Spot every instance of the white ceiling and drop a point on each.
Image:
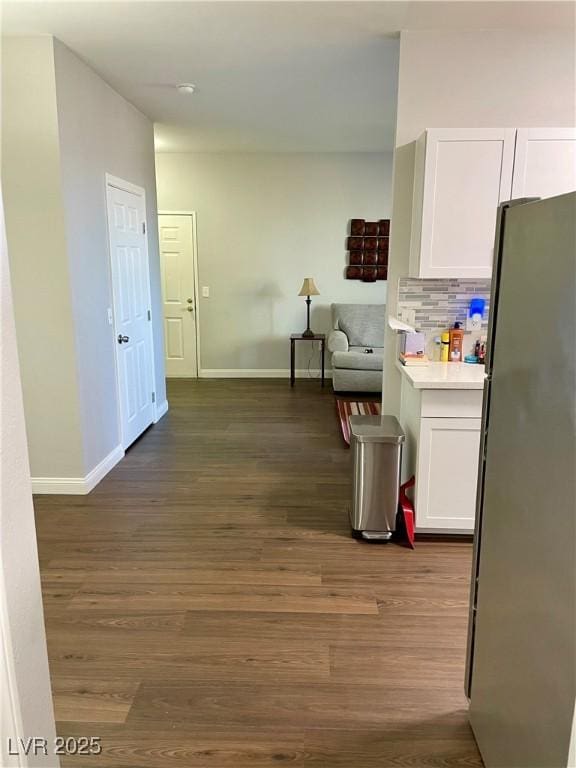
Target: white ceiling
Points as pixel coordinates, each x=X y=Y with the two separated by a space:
x=270 y=76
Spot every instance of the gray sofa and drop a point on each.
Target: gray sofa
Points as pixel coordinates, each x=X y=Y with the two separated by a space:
x=355 y=329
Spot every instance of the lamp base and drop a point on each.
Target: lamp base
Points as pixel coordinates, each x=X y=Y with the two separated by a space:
x=308 y=334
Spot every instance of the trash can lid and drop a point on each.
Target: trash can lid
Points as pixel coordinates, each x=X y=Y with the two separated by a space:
x=376 y=429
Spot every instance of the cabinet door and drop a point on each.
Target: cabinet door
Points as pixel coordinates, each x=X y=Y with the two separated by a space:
x=545 y=162
x=447 y=473
x=461 y=175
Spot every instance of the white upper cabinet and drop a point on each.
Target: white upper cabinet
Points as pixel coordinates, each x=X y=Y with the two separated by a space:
x=460 y=177
x=545 y=162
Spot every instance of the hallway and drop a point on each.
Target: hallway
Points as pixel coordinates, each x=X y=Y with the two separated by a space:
x=207 y=608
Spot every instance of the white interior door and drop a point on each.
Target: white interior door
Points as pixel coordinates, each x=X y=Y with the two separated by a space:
x=178 y=294
x=132 y=314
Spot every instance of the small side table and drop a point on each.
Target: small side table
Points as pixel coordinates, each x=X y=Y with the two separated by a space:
x=321 y=337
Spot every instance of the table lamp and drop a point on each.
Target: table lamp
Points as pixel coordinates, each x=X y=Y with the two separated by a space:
x=308 y=289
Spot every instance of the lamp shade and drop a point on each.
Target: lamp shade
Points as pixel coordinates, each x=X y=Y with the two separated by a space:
x=308 y=288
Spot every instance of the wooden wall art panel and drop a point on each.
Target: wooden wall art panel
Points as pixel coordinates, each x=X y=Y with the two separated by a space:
x=367 y=247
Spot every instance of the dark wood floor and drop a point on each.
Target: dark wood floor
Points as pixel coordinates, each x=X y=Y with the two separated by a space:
x=206 y=607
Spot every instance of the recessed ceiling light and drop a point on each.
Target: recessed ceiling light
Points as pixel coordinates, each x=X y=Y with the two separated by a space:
x=186 y=88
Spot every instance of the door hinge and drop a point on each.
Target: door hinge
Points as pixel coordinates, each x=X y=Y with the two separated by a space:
x=153 y=397
x=149 y=314
x=143 y=227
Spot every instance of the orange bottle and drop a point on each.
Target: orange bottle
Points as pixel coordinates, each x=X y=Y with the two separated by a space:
x=456 y=343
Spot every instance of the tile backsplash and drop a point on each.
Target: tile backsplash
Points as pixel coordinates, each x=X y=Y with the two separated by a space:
x=437 y=304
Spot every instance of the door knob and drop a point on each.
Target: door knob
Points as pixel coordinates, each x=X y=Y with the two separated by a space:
x=123 y=339
x=190 y=308
x=189 y=301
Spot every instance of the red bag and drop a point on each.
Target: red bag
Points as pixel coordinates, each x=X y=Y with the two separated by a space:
x=406 y=508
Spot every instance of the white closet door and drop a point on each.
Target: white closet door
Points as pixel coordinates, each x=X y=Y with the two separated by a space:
x=132 y=313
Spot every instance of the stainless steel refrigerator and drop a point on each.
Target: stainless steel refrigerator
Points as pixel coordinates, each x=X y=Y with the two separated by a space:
x=521 y=665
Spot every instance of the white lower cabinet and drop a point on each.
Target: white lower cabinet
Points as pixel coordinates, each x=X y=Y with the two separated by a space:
x=447 y=473
x=441 y=450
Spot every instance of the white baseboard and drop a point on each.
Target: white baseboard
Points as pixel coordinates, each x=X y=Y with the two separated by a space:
x=75 y=486
x=260 y=373
x=78 y=486
x=161 y=410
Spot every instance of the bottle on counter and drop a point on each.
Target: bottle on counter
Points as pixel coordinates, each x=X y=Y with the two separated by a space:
x=445 y=347
x=456 y=343
x=482 y=352
x=437 y=349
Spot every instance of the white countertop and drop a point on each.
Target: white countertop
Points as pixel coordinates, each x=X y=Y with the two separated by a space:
x=444 y=375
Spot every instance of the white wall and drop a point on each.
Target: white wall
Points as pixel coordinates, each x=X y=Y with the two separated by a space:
x=266 y=221
x=35 y=227
x=63 y=129
x=468 y=79
x=25 y=695
x=100 y=132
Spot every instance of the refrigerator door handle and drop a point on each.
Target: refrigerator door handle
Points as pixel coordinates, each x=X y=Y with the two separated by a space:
x=477 y=538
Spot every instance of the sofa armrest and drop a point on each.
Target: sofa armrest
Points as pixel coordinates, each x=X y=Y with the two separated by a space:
x=337 y=342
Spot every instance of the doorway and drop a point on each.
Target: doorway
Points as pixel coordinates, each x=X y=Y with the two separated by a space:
x=179 y=268
x=132 y=314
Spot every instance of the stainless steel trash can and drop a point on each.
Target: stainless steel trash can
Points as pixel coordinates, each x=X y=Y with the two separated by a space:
x=376 y=443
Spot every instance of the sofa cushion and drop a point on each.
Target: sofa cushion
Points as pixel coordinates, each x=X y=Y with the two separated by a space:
x=359 y=360
x=362 y=323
